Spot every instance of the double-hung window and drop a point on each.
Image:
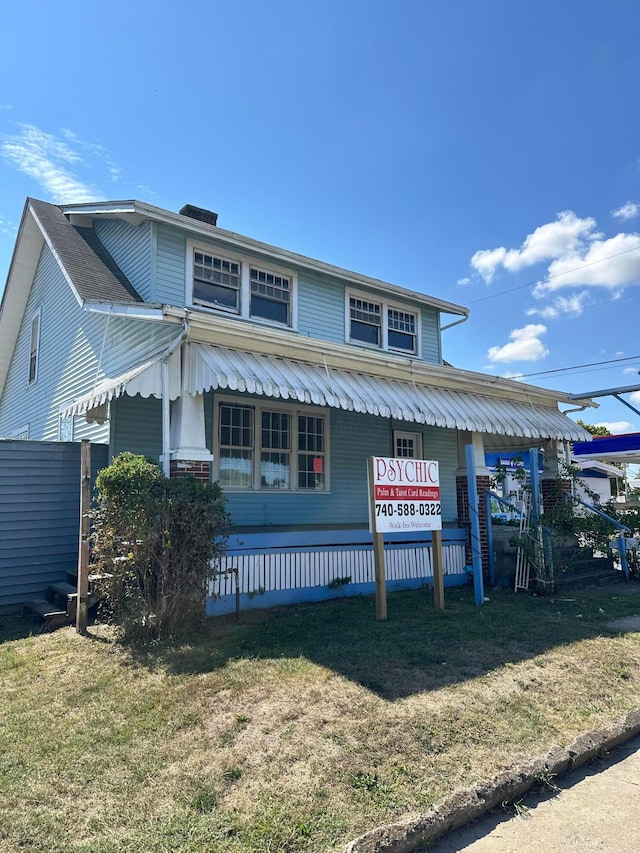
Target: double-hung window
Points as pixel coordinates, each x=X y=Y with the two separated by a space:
x=380 y=324
x=263 y=447
x=270 y=296
x=231 y=283
x=216 y=282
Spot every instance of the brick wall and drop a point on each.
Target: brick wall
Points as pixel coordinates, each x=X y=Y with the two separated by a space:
x=185 y=468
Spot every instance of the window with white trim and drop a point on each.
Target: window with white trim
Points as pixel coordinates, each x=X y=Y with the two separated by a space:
x=407 y=445
x=270 y=296
x=34 y=348
x=401 y=330
x=216 y=282
x=21 y=434
x=237 y=285
x=271 y=448
x=382 y=325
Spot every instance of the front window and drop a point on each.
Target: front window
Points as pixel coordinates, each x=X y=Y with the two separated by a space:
x=216 y=281
x=275 y=457
x=289 y=446
x=236 y=446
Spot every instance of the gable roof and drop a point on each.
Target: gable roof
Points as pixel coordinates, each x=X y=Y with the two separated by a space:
x=89 y=270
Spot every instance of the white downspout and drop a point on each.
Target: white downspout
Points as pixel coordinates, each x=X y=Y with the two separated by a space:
x=166 y=402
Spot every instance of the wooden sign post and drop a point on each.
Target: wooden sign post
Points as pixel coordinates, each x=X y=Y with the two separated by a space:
x=82 y=603
x=404 y=497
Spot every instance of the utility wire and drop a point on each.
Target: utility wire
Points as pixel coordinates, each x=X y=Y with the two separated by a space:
x=555 y=275
x=578 y=366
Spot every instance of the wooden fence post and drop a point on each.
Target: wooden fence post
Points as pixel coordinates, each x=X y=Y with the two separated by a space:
x=82 y=607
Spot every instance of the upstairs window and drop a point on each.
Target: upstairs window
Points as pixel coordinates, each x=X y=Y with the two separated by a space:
x=236 y=285
x=366 y=321
x=379 y=324
x=270 y=296
x=34 y=348
x=216 y=282
x=401 y=330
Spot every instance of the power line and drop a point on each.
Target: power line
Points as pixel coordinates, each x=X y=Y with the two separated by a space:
x=555 y=275
x=578 y=366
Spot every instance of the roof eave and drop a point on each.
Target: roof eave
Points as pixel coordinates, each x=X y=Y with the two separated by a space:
x=157 y=214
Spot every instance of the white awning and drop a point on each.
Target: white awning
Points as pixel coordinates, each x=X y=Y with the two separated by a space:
x=144 y=379
x=220 y=368
x=595 y=465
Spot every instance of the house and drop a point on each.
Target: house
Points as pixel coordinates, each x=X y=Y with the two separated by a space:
x=274 y=373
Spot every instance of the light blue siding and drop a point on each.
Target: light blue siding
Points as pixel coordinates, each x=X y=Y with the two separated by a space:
x=77 y=350
x=321 y=307
x=321 y=298
x=170 y=265
x=131 y=248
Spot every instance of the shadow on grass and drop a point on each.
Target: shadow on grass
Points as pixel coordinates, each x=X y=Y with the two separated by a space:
x=416 y=649
x=16 y=625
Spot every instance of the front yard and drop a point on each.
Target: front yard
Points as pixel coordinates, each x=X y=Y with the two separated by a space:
x=298 y=728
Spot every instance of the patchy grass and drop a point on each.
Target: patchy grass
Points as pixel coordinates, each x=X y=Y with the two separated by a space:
x=298 y=728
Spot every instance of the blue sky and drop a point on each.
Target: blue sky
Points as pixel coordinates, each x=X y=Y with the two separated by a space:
x=485 y=153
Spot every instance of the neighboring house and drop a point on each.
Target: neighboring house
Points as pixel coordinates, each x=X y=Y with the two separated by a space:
x=274 y=373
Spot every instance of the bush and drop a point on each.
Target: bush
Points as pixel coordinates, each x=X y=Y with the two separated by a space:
x=154 y=543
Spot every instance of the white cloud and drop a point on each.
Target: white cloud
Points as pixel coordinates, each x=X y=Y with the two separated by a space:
x=463 y=281
x=633 y=370
x=510 y=375
x=634 y=397
x=629 y=210
x=485 y=262
x=616 y=427
x=55 y=163
x=551 y=240
x=524 y=345
x=7 y=226
x=611 y=263
x=573 y=304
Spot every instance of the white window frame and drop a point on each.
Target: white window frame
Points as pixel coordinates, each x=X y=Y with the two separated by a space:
x=416 y=436
x=246 y=264
x=37 y=315
x=385 y=306
x=21 y=434
x=62 y=418
x=293 y=411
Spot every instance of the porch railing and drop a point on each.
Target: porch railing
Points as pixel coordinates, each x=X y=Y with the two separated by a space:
x=621 y=528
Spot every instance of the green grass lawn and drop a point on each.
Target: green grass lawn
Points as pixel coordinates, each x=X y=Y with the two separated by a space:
x=296 y=729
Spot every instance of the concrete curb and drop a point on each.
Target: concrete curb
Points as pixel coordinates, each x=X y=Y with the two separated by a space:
x=461 y=808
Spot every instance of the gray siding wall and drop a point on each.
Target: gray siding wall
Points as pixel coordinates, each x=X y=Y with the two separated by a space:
x=77 y=350
x=39 y=514
x=353 y=437
x=131 y=246
x=321 y=298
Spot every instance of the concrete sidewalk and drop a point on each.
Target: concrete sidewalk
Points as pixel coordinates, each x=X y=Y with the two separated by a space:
x=597 y=809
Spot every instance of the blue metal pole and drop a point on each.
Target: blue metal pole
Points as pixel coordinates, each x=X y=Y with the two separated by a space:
x=534 y=454
x=474 y=518
x=622 y=547
x=492 y=556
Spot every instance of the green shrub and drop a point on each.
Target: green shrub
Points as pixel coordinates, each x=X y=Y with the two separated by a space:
x=154 y=543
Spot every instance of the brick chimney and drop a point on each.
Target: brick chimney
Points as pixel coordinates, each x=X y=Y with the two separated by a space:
x=200 y=214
